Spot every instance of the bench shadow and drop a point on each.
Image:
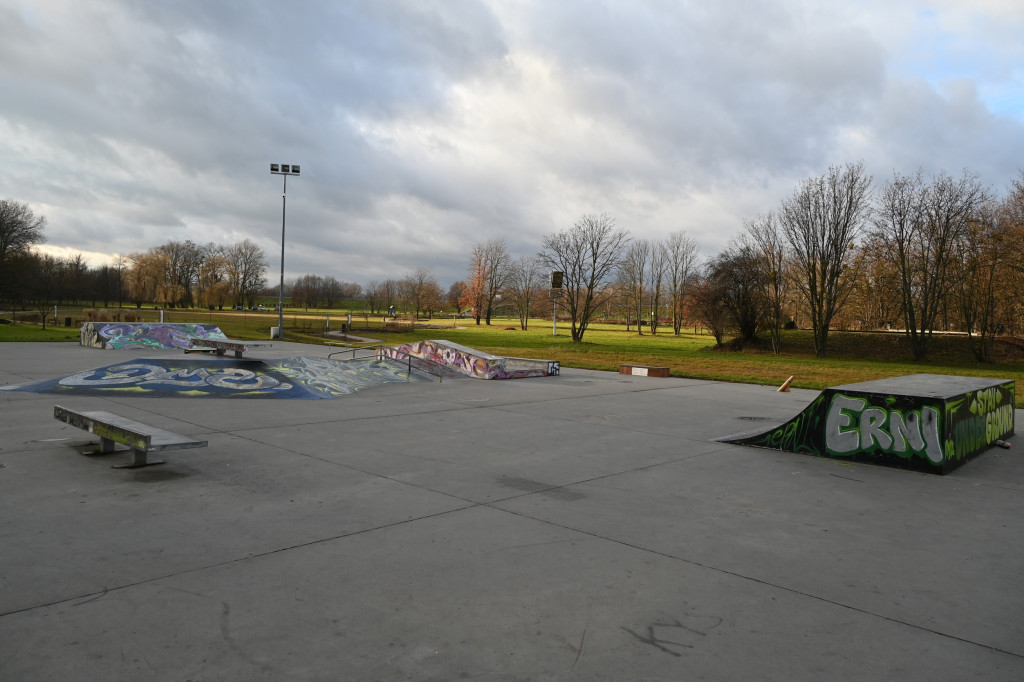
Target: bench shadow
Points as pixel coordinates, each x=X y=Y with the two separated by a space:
x=158 y=474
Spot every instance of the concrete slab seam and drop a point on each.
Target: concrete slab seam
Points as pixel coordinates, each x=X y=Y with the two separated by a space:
x=765 y=583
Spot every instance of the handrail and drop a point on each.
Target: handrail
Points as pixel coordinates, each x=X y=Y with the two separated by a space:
x=379 y=355
x=410 y=357
x=377 y=347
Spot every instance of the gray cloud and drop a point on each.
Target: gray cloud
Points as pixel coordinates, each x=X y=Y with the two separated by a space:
x=423 y=128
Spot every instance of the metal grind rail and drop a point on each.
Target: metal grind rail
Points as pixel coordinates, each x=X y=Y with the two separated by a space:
x=422 y=364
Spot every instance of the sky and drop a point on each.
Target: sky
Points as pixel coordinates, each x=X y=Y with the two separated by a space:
x=424 y=127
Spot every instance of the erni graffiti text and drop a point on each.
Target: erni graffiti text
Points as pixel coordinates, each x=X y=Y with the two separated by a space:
x=852 y=426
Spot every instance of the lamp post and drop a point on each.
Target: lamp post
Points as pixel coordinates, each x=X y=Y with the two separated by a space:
x=285 y=170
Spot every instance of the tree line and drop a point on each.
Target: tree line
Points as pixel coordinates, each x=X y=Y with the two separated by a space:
x=919 y=253
x=180 y=274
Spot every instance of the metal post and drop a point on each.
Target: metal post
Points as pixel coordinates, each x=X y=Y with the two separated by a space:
x=554 y=317
x=280 y=295
x=284 y=170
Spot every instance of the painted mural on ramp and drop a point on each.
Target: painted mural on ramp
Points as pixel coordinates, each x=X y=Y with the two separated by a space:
x=459 y=359
x=927 y=422
x=143 y=336
x=300 y=377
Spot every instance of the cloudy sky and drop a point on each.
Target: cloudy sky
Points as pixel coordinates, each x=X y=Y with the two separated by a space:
x=426 y=126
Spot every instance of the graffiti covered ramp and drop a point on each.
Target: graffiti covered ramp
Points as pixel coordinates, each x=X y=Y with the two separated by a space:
x=299 y=377
x=928 y=422
x=145 y=336
x=455 y=358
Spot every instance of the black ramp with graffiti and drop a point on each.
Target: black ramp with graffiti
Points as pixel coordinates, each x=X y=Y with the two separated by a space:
x=928 y=422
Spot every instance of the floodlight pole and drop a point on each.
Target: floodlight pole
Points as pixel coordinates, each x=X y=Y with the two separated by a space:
x=280 y=290
x=284 y=170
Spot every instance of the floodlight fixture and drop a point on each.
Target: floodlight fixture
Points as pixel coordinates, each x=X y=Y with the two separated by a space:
x=284 y=169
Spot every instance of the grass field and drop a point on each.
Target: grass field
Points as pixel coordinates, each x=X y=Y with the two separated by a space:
x=853 y=356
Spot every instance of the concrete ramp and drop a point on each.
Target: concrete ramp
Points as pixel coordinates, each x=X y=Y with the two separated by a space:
x=189 y=377
x=470 y=361
x=927 y=422
x=142 y=336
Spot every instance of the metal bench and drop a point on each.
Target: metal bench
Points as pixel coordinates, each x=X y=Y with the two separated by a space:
x=221 y=345
x=112 y=428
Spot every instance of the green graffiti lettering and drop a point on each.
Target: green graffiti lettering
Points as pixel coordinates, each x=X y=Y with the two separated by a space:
x=998 y=422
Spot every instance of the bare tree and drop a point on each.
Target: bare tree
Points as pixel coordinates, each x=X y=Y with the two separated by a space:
x=391 y=291
x=588 y=253
x=978 y=266
x=214 y=288
x=738 y=276
x=656 y=273
x=74 y=274
x=708 y=300
x=421 y=290
x=120 y=265
x=767 y=241
x=20 y=230
x=144 y=274
x=456 y=292
x=374 y=292
x=922 y=223
x=821 y=223
x=337 y=291
x=488 y=272
x=498 y=263
x=632 y=280
x=247 y=265
x=473 y=294
x=185 y=259
x=681 y=265
x=524 y=281
x=307 y=291
x=875 y=299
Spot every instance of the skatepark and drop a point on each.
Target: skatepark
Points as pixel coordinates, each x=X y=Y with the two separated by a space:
x=581 y=526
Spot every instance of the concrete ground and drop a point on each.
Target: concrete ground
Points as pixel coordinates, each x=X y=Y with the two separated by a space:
x=580 y=527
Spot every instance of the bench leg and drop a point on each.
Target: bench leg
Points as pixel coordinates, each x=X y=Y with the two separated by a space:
x=139 y=462
x=105 y=448
x=238 y=353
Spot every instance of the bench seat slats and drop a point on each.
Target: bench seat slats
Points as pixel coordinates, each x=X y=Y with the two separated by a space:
x=159 y=439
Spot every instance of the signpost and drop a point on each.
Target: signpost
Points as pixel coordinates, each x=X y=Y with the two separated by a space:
x=556 y=293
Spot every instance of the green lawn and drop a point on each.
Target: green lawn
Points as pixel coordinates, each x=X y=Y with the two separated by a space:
x=853 y=356
x=32 y=332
